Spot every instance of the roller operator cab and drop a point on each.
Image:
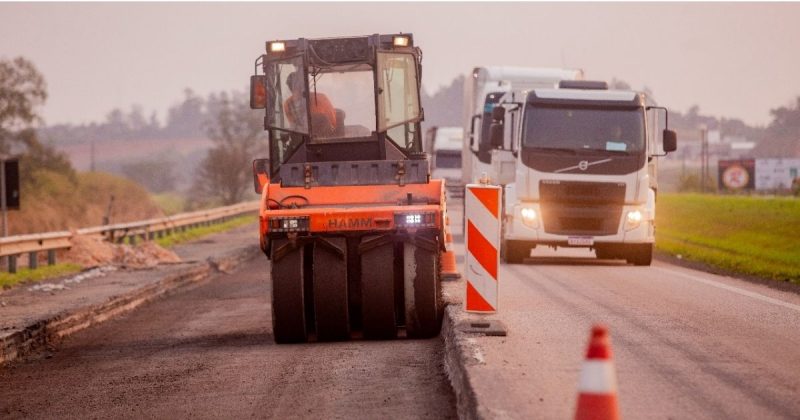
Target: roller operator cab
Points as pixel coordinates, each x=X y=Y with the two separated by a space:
x=581 y=170
x=349 y=218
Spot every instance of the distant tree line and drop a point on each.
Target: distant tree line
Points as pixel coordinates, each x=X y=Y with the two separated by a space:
x=184 y=120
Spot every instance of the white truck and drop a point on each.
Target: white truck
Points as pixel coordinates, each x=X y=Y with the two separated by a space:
x=444 y=145
x=578 y=167
x=481 y=93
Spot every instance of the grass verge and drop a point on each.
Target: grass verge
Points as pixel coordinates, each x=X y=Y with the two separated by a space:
x=750 y=235
x=197 y=233
x=27 y=275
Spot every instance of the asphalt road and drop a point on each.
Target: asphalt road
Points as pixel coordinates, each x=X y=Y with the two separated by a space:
x=687 y=344
x=207 y=352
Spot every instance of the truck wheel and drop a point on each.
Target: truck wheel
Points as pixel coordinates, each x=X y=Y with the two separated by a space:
x=288 y=307
x=331 y=311
x=605 y=252
x=514 y=253
x=377 y=289
x=423 y=299
x=640 y=254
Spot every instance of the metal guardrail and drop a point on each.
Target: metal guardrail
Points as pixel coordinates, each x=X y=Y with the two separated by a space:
x=14 y=246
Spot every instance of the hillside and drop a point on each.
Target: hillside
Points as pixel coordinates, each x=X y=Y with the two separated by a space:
x=56 y=202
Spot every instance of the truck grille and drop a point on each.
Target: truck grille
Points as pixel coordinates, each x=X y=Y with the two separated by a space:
x=581 y=208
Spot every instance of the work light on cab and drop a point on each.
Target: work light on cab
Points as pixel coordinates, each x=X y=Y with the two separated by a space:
x=400 y=41
x=277 y=46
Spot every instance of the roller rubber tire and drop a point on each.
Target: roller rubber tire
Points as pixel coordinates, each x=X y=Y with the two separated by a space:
x=288 y=308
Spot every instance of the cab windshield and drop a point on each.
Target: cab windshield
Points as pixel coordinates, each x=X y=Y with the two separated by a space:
x=332 y=102
x=559 y=128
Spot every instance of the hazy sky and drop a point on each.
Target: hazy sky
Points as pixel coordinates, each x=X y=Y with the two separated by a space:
x=732 y=59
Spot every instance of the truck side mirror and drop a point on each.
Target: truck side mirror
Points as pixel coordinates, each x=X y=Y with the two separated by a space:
x=258 y=92
x=260 y=174
x=670 y=141
x=496 y=131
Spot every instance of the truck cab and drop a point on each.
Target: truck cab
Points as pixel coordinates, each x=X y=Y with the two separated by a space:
x=584 y=172
x=482 y=92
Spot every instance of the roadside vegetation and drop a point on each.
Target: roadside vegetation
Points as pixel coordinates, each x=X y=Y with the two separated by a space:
x=757 y=236
x=45 y=272
x=197 y=233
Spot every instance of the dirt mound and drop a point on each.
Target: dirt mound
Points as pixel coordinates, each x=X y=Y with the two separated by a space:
x=90 y=251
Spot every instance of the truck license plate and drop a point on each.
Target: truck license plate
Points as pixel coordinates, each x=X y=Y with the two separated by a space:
x=580 y=241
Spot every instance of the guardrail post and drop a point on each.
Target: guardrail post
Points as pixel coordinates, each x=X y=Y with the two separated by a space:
x=33 y=260
x=12 y=264
x=51 y=257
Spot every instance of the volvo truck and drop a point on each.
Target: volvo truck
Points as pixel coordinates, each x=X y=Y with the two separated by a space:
x=578 y=165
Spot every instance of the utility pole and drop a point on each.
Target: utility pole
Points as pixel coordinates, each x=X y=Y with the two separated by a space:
x=3 y=203
x=703 y=157
x=91 y=164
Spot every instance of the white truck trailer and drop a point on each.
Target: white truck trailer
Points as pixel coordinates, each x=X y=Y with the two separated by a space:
x=481 y=93
x=578 y=165
x=444 y=145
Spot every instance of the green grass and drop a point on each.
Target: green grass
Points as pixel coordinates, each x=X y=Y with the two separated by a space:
x=197 y=233
x=170 y=203
x=751 y=235
x=27 y=275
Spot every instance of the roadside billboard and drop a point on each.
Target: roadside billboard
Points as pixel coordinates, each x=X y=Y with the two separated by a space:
x=736 y=175
x=776 y=174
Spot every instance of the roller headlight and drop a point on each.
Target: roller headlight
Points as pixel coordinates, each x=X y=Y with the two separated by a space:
x=415 y=220
x=289 y=224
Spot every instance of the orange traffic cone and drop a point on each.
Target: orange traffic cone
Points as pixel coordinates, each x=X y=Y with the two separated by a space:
x=597 y=386
x=449 y=267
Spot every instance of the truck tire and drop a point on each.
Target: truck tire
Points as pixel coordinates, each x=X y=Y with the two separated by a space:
x=514 y=253
x=422 y=288
x=640 y=254
x=331 y=311
x=288 y=300
x=606 y=252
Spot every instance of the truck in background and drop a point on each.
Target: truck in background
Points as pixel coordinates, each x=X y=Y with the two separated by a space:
x=444 y=145
x=481 y=93
x=578 y=166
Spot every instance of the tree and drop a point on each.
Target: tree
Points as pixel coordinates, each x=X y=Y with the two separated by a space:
x=238 y=135
x=782 y=137
x=22 y=90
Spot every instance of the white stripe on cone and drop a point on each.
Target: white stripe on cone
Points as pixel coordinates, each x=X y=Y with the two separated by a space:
x=597 y=377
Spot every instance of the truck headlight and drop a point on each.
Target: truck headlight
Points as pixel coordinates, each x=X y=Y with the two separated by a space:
x=529 y=217
x=634 y=218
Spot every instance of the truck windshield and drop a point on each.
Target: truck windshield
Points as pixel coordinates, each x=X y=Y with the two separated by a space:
x=448 y=159
x=584 y=128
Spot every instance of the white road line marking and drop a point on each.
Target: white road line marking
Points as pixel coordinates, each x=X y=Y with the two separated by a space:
x=733 y=289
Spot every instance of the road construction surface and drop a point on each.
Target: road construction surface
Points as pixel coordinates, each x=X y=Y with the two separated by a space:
x=686 y=344
x=208 y=352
